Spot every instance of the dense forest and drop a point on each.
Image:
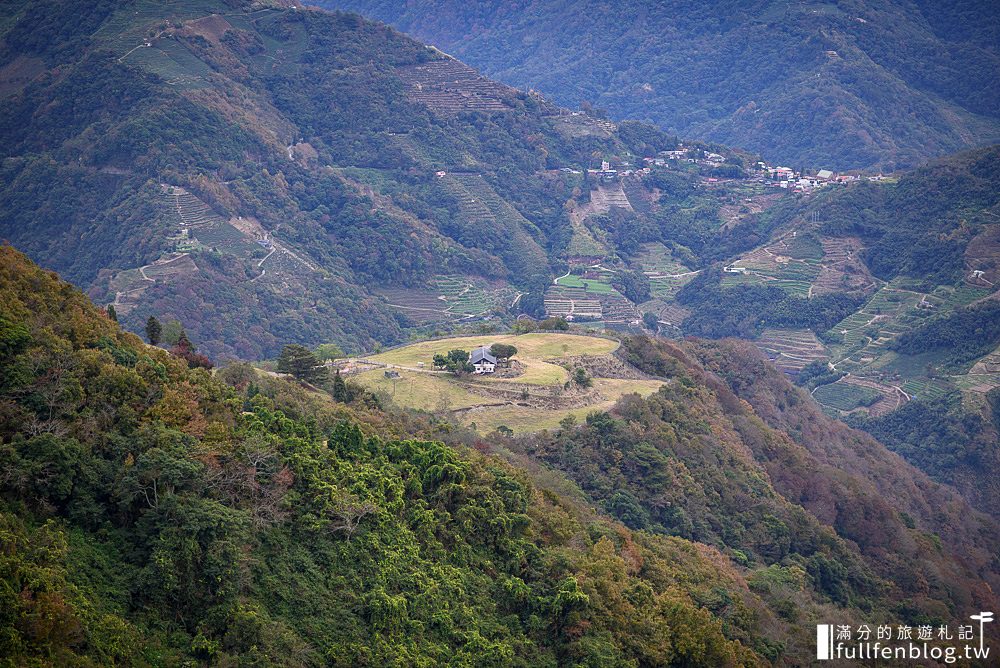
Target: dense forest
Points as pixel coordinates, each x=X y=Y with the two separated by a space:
x=814 y=84
x=952 y=443
x=152 y=513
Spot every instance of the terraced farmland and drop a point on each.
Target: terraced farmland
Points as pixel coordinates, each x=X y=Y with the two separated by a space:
x=449 y=298
x=129 y=27
x=846 y=397
x=169 y=267
x=490 y=223
x=171 y=61
x=204 y=225
x=961 y=295
x=449 y=87
x=577 y=302
x=469 y=298
x=791 y=349
x=842 y=269
x=589 y=296
x=665 y=273
x=926 y=388
x=977 y=382
x=604 y=197
x=774 y=265
x=866 y=332
x=594 y=282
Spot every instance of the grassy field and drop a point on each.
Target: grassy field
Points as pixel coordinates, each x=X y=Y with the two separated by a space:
x=594 y=285
x=539 y=353
x=530 y=347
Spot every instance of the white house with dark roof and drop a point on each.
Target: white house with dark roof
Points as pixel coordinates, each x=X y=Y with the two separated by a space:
x=483 y=361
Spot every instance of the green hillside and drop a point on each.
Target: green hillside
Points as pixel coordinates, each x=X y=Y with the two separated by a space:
x=152 y=514
x=822 y=84
x=264 y=173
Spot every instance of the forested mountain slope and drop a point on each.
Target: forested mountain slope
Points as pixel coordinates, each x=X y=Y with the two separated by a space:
x=267 y=173
x=824 y=84
x=153 y=514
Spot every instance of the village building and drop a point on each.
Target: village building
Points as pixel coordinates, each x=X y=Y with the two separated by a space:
x=483 y=361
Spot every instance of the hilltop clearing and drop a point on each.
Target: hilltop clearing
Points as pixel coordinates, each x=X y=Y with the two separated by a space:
x=540 y=389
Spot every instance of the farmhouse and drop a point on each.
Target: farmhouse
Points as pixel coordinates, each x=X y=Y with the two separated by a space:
x=483 y=361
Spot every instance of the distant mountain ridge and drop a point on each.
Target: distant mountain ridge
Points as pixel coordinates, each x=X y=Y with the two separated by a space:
x=839 y=85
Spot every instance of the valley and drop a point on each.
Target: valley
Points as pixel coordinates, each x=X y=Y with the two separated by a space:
x=321 y=347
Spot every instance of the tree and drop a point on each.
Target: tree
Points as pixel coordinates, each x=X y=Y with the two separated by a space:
x=339 y=388
x=650 y=320
x=186 y=350
x=112 y=313
x=554 y=323
x=301 y=363
x=458 y=356
x=153 y=330
x=503 y=352
x=329 y=351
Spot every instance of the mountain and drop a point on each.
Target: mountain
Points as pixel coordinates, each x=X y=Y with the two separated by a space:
x=819 y=84
x=155 y=514
x=264 y=173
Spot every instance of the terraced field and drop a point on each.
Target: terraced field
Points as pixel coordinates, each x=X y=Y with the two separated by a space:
x=595 y=282
x=534 y=400
x=925 y=388
x=775 y=265
x=124 y=31
x=450 y=298
x=590 y=296
x=449 y=87
x=842 y=269
x=791 y=349
x=564 y=301
x=490 y=223
x=665 y=273
x=866 y=332
x=977 y=382
x=169 y=267
x=203 y=225
x=578 y=126
x=846 y=397
x=604 y=197
x=171 y=61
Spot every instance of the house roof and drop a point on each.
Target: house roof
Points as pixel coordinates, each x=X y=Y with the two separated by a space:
x=481 y=354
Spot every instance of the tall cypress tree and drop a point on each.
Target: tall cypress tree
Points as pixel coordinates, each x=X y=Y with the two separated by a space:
x=153 y=330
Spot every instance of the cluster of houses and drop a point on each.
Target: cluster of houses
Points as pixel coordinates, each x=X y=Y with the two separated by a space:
x=778 y=177
x=789 y=179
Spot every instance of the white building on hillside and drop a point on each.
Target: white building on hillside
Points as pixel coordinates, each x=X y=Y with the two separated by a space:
x=483 y=361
